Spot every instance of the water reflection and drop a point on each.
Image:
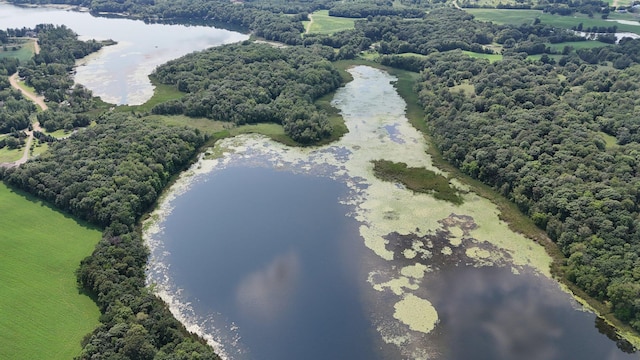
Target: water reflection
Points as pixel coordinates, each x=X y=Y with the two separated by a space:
x=428 y=264
x=119 y=73
x=265 y=295
x=502 y=316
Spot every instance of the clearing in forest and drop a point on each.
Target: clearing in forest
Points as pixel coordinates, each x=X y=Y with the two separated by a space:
x=320 y=22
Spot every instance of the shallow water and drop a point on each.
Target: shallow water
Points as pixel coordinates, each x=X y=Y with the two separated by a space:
x=433 y=280
x=119 y=73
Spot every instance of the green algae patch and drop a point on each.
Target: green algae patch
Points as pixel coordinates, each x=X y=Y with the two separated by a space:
x=417 y=313
x=415 y=271
x=417 y=179
x=396 y=285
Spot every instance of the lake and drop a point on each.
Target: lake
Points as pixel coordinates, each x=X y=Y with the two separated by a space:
x=276 y=252
x=119 y=73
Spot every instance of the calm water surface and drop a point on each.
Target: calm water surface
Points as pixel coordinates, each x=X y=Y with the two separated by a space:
x=273 y=254
x=262 y=258
x=118 y=73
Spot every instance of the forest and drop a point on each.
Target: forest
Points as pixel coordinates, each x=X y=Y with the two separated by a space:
x=254 y=83
x=559 y=138
x=538 y=134
x=14 y=109
x=109 y=174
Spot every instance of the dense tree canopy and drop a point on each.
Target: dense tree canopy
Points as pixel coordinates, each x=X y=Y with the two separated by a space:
x=538 y=133
x=110 y=174
x=253 y=83
x=561 y=140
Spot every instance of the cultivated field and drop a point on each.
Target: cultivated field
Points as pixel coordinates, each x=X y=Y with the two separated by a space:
x=517 y=17
x=42 y=314
x=321 y=23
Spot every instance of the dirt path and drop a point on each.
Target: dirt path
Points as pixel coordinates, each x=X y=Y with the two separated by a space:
x=36 y=46
x=310 y=16
x=39 y=100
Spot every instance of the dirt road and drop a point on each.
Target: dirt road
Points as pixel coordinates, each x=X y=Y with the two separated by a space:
x=39 y=100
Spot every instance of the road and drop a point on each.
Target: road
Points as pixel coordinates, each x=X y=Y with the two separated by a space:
x=39 y=100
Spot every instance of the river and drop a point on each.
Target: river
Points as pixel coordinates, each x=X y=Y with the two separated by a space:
x=270 y=252
x=119 y=73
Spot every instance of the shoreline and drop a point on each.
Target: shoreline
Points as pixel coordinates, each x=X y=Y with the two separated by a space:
x=376 y=223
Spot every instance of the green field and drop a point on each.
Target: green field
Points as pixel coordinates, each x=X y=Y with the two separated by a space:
x=322 y=23
x=42 y=314
x=589 y=44
x=7 y=155
x=490 y=57
x=161 y=93
x=24 y=52
x=517 y=17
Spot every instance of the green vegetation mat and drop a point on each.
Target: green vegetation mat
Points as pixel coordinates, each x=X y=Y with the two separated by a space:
x=420 y=180
x=42 y=314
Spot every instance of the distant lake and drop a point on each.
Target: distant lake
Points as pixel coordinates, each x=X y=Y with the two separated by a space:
x=273 y=252
x=118 y=73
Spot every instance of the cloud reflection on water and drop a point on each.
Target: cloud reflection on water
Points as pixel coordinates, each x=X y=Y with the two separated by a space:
x=266 y=293
x=512 y=315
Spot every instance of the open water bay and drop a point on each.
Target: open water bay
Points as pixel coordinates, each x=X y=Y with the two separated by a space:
x=119 y=73
x=277 y=252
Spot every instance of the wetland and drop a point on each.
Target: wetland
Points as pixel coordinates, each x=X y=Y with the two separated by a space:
x=414 y=275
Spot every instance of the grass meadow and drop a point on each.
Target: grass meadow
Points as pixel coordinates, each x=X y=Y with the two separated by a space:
x=42 y=314
x=10 y=155
x=322 y=23
x=24 y=52
x=517 y=17
x=161 y=93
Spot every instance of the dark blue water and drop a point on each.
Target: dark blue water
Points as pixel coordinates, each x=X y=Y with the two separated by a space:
x=274 y=254
x=492 y=314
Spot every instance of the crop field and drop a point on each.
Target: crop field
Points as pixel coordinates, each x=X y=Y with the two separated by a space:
x=516 y=17
x=42 y=313
x=322 y=23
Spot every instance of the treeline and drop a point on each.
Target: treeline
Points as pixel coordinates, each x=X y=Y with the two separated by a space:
x=570 y=7
x=366 y=9
x=444 y=30
x=626 y=53
x=254 y=83
x=49 y=71
x=110 y=174
x=538 y=134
